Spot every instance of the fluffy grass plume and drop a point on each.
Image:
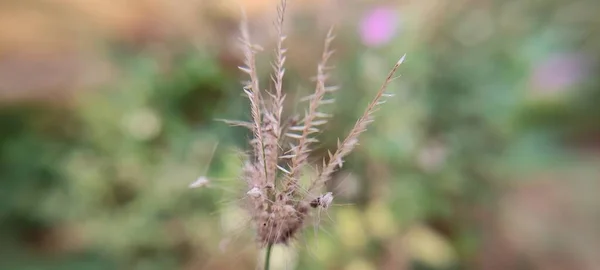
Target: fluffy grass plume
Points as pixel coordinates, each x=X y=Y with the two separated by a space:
x=276 y=201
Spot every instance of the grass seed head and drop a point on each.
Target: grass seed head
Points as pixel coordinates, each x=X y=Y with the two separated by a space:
x=278 y=204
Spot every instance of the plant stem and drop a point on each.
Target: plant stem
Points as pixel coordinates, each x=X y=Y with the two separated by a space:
x=268 y=257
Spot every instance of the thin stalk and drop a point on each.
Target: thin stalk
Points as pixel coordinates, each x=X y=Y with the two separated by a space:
x=268 y=257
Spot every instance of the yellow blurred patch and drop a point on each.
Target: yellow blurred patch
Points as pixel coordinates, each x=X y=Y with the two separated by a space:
x=380 y=220
x=425 y=245
x=234 y=219
x=321 y=249
x=360 y=264
x=350 y=228
x=283 y=257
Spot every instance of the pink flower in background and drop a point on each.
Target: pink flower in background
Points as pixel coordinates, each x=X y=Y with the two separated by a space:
x=378 y=26
x=558 y=73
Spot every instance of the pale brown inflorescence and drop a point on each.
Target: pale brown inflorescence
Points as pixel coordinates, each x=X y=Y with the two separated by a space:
x=278 y=204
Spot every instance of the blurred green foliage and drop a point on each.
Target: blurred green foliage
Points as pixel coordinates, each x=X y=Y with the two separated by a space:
x=103 y=183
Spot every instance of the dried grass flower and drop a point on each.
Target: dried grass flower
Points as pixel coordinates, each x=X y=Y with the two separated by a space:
x=277 y=202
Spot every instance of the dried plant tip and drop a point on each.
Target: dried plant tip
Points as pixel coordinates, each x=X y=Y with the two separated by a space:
x=327 y=101
x=322 y=115
x=326 y=200
x=401 y=60
x=319 y=122
x=332 y=88
x=254 y=192
x=257 y=48
x=235 y=123
x=246 y=70
x=283 y=169
x=323 y=201
x=202 y=181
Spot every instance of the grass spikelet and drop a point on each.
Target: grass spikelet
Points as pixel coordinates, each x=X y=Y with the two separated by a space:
x=345 y=147
x=278 y=205
x=302 y=149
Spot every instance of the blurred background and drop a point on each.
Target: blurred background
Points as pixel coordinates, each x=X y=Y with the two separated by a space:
x=487 y=158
